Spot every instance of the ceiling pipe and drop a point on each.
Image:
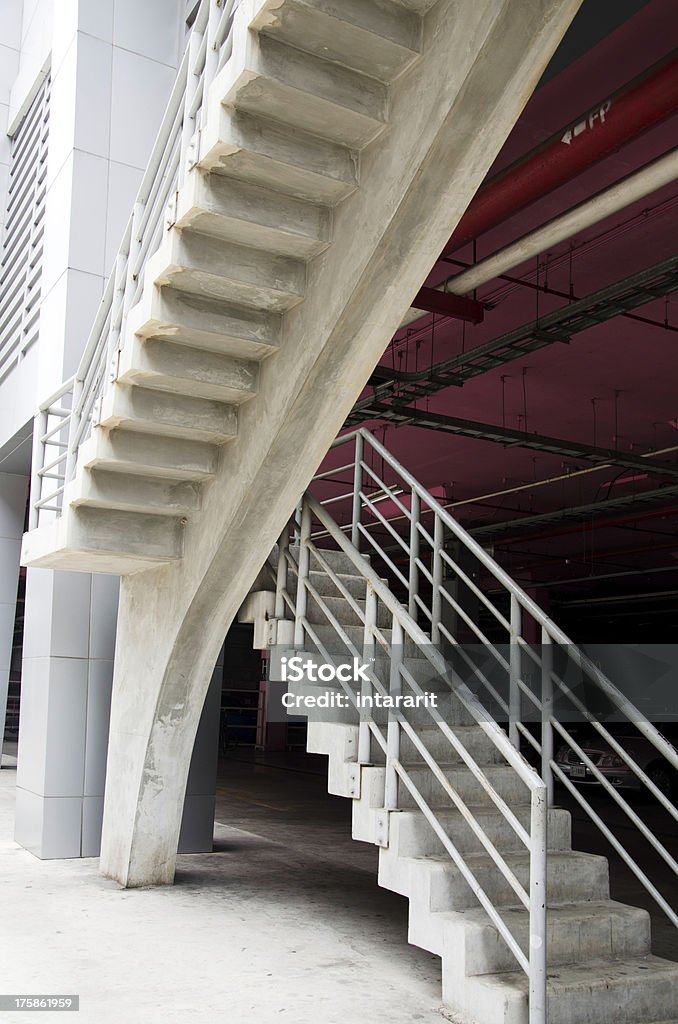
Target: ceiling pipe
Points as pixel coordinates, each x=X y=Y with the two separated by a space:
x=611 y=200
x=645 y=101
x=623 y=193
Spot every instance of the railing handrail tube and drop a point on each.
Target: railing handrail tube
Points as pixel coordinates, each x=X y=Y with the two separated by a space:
x=526 y=773
x=650 y=731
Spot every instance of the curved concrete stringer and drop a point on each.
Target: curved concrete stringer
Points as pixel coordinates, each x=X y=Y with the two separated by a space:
x=446 y=125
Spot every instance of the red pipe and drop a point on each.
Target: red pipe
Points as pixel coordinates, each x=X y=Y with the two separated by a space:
x=605 y=128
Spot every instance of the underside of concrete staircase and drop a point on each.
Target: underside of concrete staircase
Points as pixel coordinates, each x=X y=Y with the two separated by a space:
x=600 y=965
x=305 y=92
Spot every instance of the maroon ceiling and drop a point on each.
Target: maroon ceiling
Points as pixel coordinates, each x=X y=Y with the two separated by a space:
x=614 y=385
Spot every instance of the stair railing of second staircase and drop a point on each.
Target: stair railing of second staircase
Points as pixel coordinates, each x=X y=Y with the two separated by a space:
x=406 y=632
x=439 y=567
x=441 y=583
x=65 y=419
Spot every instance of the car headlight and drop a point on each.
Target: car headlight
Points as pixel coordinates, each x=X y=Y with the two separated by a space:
x=611 y=761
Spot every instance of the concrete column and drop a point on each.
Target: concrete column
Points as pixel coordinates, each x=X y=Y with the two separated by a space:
x=13 y=492
x=67 y=673
x=69 y=643
x=197 y=823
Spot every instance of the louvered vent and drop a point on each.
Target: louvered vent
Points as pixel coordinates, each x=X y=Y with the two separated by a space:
x=21 y=264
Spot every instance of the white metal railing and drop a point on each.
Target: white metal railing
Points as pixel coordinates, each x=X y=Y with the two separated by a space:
x=65 y=420
x=438 y=566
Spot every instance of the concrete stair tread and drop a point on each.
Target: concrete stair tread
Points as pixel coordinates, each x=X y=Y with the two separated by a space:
x=189 y=372
x=378 y=39
x=576 y=933
x=167 y=414
x=512 y=858
x=100 y=488
x=202 y=322
x=92 y=540
x=200 y=264
x=299 y=89
x=602 y=971
x=128 y=452
x=254 y=215
x=264 y=152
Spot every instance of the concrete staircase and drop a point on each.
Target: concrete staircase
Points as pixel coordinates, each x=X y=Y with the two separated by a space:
x=304 y=93
x=601 y=968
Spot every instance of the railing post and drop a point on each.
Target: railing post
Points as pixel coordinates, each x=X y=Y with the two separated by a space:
x=281 y=573
x=515 y=667
x=188 y=127
x=546 y=713
x=211 y=54
x=369 y=647
x=357 y=484
x=304 y=560
x=414 y=555
x=538 y=906
x=72 y=450
x=393 y=731
x=437 y=574
x=37 y=462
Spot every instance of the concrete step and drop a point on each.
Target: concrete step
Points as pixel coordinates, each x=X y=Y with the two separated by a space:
x=264 y=152
x=168 y=458
x=503 y=778
x=252 y=215
x=205 y=323
x=477 y=743
x=375 y=37
x=344 y=612
x=101 y=540
x=411 y=835
x=576 y=933
x=337 y=560
x=168 y=414
x=323 y=584
x=191 y=372
x=99 y=488
x=635 y=990
x=305 y=92
x=236 y=274
x=435 y=883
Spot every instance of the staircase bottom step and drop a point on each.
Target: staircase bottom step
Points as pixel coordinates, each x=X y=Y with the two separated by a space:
x=641 y=990
x=103 y=540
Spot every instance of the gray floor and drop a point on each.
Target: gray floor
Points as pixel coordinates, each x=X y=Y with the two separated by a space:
x=284 y=921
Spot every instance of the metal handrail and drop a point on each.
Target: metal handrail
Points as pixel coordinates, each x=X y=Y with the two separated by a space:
x=175 y=152
x=405 y=628
x=410 y=543
x=365 y=521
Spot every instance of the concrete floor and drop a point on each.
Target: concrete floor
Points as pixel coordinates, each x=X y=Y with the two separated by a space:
x=284 y=921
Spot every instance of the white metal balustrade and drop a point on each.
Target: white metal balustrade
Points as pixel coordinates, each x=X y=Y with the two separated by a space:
x=413 y=540
x=64 y=421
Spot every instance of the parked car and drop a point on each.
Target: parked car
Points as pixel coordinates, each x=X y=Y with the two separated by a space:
x=614 y=768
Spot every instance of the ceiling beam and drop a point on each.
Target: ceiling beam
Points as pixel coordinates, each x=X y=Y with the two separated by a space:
x=515 y=527
x=558 y=326
x=432 y=301
x=520 y=439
